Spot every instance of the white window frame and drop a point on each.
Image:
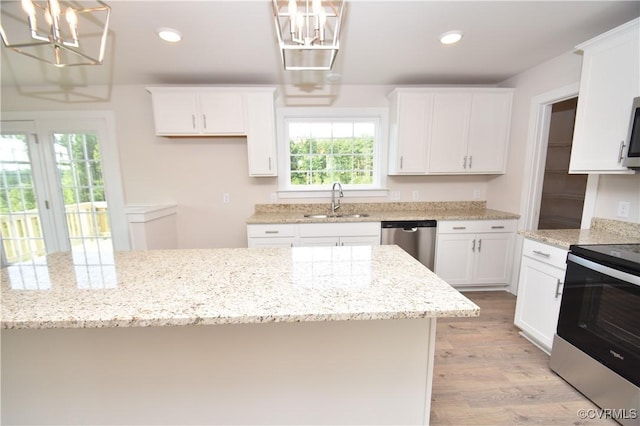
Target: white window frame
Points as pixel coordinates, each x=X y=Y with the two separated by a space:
x=108 y=155
x=378 y=115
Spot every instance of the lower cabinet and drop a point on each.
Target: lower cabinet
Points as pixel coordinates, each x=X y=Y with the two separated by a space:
x=475 y=253
x=314 y=234
x=542 y=271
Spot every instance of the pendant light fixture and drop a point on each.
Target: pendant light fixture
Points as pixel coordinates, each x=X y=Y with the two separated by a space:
x=308 y=33
x=61 y=33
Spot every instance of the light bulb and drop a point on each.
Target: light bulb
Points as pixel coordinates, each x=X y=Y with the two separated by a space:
x=72 y=17
x=316 y=6
x=28 y=7
x=54 y=8
x=451 y=37
x=293 y=8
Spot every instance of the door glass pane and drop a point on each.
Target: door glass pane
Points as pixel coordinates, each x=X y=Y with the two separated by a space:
x=21 y=230
x=80 y=173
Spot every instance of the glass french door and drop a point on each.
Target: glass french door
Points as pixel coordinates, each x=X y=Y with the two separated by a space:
x=52 y=193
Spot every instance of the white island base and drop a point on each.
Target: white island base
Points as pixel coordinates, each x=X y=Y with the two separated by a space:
x=326 y=372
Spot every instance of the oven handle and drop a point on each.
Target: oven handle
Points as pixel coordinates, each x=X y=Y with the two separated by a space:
x=615 y=273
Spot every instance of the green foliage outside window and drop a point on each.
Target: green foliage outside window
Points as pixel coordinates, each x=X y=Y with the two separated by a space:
x=321 y=161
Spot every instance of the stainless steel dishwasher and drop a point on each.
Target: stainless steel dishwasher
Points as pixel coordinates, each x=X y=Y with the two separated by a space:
x=416 y=237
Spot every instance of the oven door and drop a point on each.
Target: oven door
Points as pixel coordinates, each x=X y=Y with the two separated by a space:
x=600 y=315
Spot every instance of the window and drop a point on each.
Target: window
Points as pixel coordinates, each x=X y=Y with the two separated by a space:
x=322 y=146
x=52 y=191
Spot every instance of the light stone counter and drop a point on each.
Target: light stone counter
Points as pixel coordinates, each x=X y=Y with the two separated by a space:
x=226 y=286
x=377 y=212
x=603 y=231
x=223 y=336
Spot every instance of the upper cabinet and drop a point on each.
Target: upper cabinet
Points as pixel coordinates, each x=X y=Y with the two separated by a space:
x=609 y=82
x=449 y=131
x=221 y=111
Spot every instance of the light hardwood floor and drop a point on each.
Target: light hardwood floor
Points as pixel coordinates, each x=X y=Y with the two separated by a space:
x=485 y=373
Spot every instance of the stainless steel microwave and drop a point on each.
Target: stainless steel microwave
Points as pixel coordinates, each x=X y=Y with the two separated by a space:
x=632 y=147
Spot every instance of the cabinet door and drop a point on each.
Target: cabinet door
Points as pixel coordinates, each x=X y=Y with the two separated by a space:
x=410 y=129
x=319 y=241
x=488 y=132
x=454 y=258
x=609 y=82
x=222 y=113
x=261 y=134
x=272 y=242
x=175 y=113
x=538 y=302
x=360 y=241
x=492 y=264
x=449 y=133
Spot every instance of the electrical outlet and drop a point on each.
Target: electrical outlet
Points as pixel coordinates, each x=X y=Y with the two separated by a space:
x=476 y=194
x=226 y=199
x=395 y=195
x=274 y=197
x=623 y=209
x=416 y=195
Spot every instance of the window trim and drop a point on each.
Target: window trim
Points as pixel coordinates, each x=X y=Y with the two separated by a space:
x=380 y=115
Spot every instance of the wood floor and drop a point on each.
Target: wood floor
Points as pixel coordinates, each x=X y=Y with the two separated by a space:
x=485 y=373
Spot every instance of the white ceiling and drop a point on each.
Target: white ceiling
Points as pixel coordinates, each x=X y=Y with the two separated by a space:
x=383 y=42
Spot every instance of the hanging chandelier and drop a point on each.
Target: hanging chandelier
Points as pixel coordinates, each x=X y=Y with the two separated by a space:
x=308 y=33
x=51 y=30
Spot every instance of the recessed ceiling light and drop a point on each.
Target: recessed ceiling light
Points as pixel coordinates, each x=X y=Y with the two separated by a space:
x=169 y=34
x=451 y=37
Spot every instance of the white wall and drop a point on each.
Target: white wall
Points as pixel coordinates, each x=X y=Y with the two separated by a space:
x=505 y=192
x=194 y=172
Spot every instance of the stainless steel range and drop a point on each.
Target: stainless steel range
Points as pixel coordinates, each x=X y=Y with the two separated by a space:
x=597 y=345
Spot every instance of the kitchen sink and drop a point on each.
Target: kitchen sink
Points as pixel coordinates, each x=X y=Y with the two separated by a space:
x=325 y=216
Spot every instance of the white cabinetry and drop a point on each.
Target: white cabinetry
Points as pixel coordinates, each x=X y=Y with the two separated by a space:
x=221 y=111
x=542 y=271
x=186 y=111
x=609 y=82
x=449 y=131
x=340 y=234
x=272 y=235
x=475 y=253
x=261 y=134
x=314 y=234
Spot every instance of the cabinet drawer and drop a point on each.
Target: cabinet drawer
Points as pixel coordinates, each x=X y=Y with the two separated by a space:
x=546 y=253
x=473 y=226
x=271 y=231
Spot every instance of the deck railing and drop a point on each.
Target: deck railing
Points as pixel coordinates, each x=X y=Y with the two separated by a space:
x=22 y=232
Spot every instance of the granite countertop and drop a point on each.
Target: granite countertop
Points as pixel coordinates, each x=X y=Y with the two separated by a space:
x=603 y=231
x=377 y=212
x=225 y=286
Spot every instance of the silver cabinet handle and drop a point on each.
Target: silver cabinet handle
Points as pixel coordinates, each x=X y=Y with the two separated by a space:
x=541 y=253
x=464 y=162
x=401 y=161
x=620 y=152
x=193 y=120
x=558 y=285
x=479 y=245
x=271 y=232
x=473 y=247
x=497 y=227
x=204 y=120
x=269 y=163
x=470 y=160
x=459 y=227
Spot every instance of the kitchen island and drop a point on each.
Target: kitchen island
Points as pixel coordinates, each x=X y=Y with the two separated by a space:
x=223 y=336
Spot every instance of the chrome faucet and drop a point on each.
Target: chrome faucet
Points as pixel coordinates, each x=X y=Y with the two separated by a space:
x=335 y=206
